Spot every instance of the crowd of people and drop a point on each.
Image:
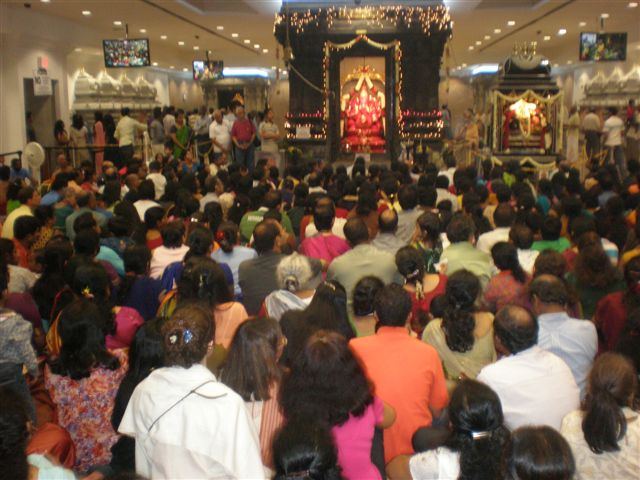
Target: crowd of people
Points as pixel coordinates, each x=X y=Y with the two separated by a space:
x=219 y=319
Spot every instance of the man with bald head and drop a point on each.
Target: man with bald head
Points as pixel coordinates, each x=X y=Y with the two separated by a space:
x=573 y=340
x=535 y=386
x=387 y=238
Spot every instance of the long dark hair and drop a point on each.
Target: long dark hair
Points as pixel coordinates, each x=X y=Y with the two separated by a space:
x=136 y=262
x=13 y=435
x=227 y=236
x=612 y=383
x=53 y=259
x=326 y=382
x=199 y=241
x=81 y=328
x=505 y=257
x=90 y=280
x=203 y=281
x=478 y=433
x=251 y=367
x=328 y=309
x=58 y=128
x=458 y=321
x=593 y=267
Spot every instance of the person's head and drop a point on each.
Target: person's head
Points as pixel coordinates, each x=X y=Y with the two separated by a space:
x=356 y=231
x=460 y=229
x=172 y=234
x=515 y=330
x=7 y=252
x=458 y=321
x=612 y=384
x=187 y=336
x=267 y=237
x=326 y=382
x=29 y=196
x=60 y=182
x=477 y=430
x=14 y=434
x=364 y=294
x=137 y=259
x=410 y=264
x=240 y=112
x=202 y=281
x=323 y=217
x=551 y=228
x=593 y=267
x=294 y=272
x=179 y=116
x=388 y=221
x=550 y=262
x=268 y=114
x=521 y=236
x=538 y=453
x=505 y=258
x=304 y=450
x=125 y=111
x=146 y=190
x=503 y=216
x=200 y=242
x=408 y=197
x=392 y=306
x=87 y=200
x=430 y=227
x=251 y=367
x=548 y=293
x=25 y=230
x=153 y=217
x=82 y=331
x=145 y=353
x=77 y=121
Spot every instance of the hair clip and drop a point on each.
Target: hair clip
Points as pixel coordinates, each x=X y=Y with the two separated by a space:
x=330 y=285
x=219 y=236
x=173 y=338
x=479 y=435
x=86 y=292
x=187 y=336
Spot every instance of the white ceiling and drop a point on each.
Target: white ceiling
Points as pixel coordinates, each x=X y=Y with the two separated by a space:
x=474 y=21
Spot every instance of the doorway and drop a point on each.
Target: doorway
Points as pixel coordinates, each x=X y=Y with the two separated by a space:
x=43 y=111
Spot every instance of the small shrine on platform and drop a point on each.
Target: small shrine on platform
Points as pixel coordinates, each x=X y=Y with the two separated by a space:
x=363 y=79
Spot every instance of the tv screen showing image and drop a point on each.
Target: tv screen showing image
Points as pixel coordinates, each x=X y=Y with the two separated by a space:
x=208 y=70
x=603 y=47
x=132 y=52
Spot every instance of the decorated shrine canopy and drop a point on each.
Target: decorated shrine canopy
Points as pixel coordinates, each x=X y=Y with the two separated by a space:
x=343 y=108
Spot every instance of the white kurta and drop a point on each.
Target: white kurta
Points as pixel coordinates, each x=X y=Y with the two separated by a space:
x=207 y=435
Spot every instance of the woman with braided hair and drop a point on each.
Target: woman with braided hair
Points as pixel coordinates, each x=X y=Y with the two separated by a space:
x=422 y=286
x=463 y=337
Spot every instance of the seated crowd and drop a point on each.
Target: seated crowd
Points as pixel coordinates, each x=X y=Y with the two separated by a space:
x=320 y=323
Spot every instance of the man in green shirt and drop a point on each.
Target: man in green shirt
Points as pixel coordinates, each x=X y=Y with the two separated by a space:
x=551 y=239
x=272 y=201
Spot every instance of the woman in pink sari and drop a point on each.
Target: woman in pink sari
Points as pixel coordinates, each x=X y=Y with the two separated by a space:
x=99 y=139
x=325 y=246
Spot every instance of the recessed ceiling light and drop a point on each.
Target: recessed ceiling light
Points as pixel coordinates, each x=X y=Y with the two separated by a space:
x=185 y=69
x=511 y=23
x=172 y=66
x=155 y=64
x=77 y=49
x=604 y=15
x=117 y=23
x=219 y=27
x=163 y=37
x=633 y=4
x=196 y=47
x=582 y=24
x=234 y=35
x=273 y=67
x=478 y=42
x=86 y=13
x=45 y=1
x=497 y=31
x=143 y=30
x=471 y=47
x=464 y=65
x=247 y=41
x=546 y=38
x=562 y=31
x=569 y=62
x=181 y=43
x=555 y=65
x=487 y=37
x=265 y=50
x=256 y=45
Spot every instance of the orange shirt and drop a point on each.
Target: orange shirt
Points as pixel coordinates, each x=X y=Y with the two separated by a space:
x=407 y=374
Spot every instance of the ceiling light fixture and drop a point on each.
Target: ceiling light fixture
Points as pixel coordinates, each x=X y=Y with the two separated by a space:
x=86 y=13
x=471 y=47
x=464 y=65
x=117 y=23
x=185 y=69
x=633 y=4
x=604 y=15
x=143 y=30
x=497 y=31
x=562 y=31
x=256 y=45
x=181 y=43
x=546 y=38
x=487 y=37
x=219 y=27
x=196 y=47
x=569 y=62
x=234 y=35
x=163 y=37
x=582 y=24
x=45 y=1
x=155 y=64
x=265 y=50
x=247 y=41
x=172 y=66
x=77 y=49
x=273 y=67
x=478 y=42
x=511 y=23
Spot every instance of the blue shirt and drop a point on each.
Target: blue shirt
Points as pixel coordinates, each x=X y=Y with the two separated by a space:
x=234 y=259
x=50 y=198
x=22 y=173
x=108 y=255
x=573 y=340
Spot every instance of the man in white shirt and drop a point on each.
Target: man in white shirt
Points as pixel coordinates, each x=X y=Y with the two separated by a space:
x=169 y=120
x=503 y=216
x=573 y=340
x=126 y=132
x=442 y=190
x=158 y=179
x=613 y=130
x=592 y=126
x=522 y=238
x=146 y=194
x=220 y=135
x=535 y=386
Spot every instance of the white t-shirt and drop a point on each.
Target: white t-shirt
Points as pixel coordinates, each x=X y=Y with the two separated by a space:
x=159 y=183
x=614 y=126
x=143 y=205
x=441 y=463
x=220 y=133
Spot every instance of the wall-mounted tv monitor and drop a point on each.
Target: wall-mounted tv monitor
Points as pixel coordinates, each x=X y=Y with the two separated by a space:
x=208 y=69
x=603 y=47
x=132 y=52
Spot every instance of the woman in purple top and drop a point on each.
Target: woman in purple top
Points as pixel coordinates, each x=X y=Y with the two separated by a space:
x=327 y=384
x=325 y=246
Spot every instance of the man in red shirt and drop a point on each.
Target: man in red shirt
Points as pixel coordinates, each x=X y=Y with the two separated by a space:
x=243 y=133
x=406 y=373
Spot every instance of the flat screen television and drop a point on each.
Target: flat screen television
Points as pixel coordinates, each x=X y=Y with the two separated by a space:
x=208 y=69
x=603 y=47
x=132 y=52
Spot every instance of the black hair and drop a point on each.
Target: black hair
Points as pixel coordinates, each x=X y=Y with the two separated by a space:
x=504 y=216
x=53 y=258
x=324 y=216
x=392 y=306
x=227 y=236
x=458 y=320
x=85 y=221
x=549 y=289
x=81 y=329
x=24 y=226
x=408 y=197
x=460 y=228
x=521 y=236
x=186 y=335
x=172 y=234
x=136 y=262
x=388 y=221
x=202 y=281
x=551 y=228
x=112 y=192
x=538 y=453
x=364 y=293
x=478 y=433
x=87 y=243
x=59 y=182
x=505 y=257
x=264 y=236
x=304 y=450
x=516 y=328
x=199 y=242
x=147 y=190
x=7 y=249
x=14 y=435
x=356 y=231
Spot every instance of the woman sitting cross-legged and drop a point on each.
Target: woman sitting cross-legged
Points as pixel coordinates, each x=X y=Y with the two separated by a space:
x=187 y=424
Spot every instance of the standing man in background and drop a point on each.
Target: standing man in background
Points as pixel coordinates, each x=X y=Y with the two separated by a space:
x=156 y=133
x=573 y=135
x=201 y=128
x=614 y=130
x=243 y=134
x=591 y=126
x=126 y=132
